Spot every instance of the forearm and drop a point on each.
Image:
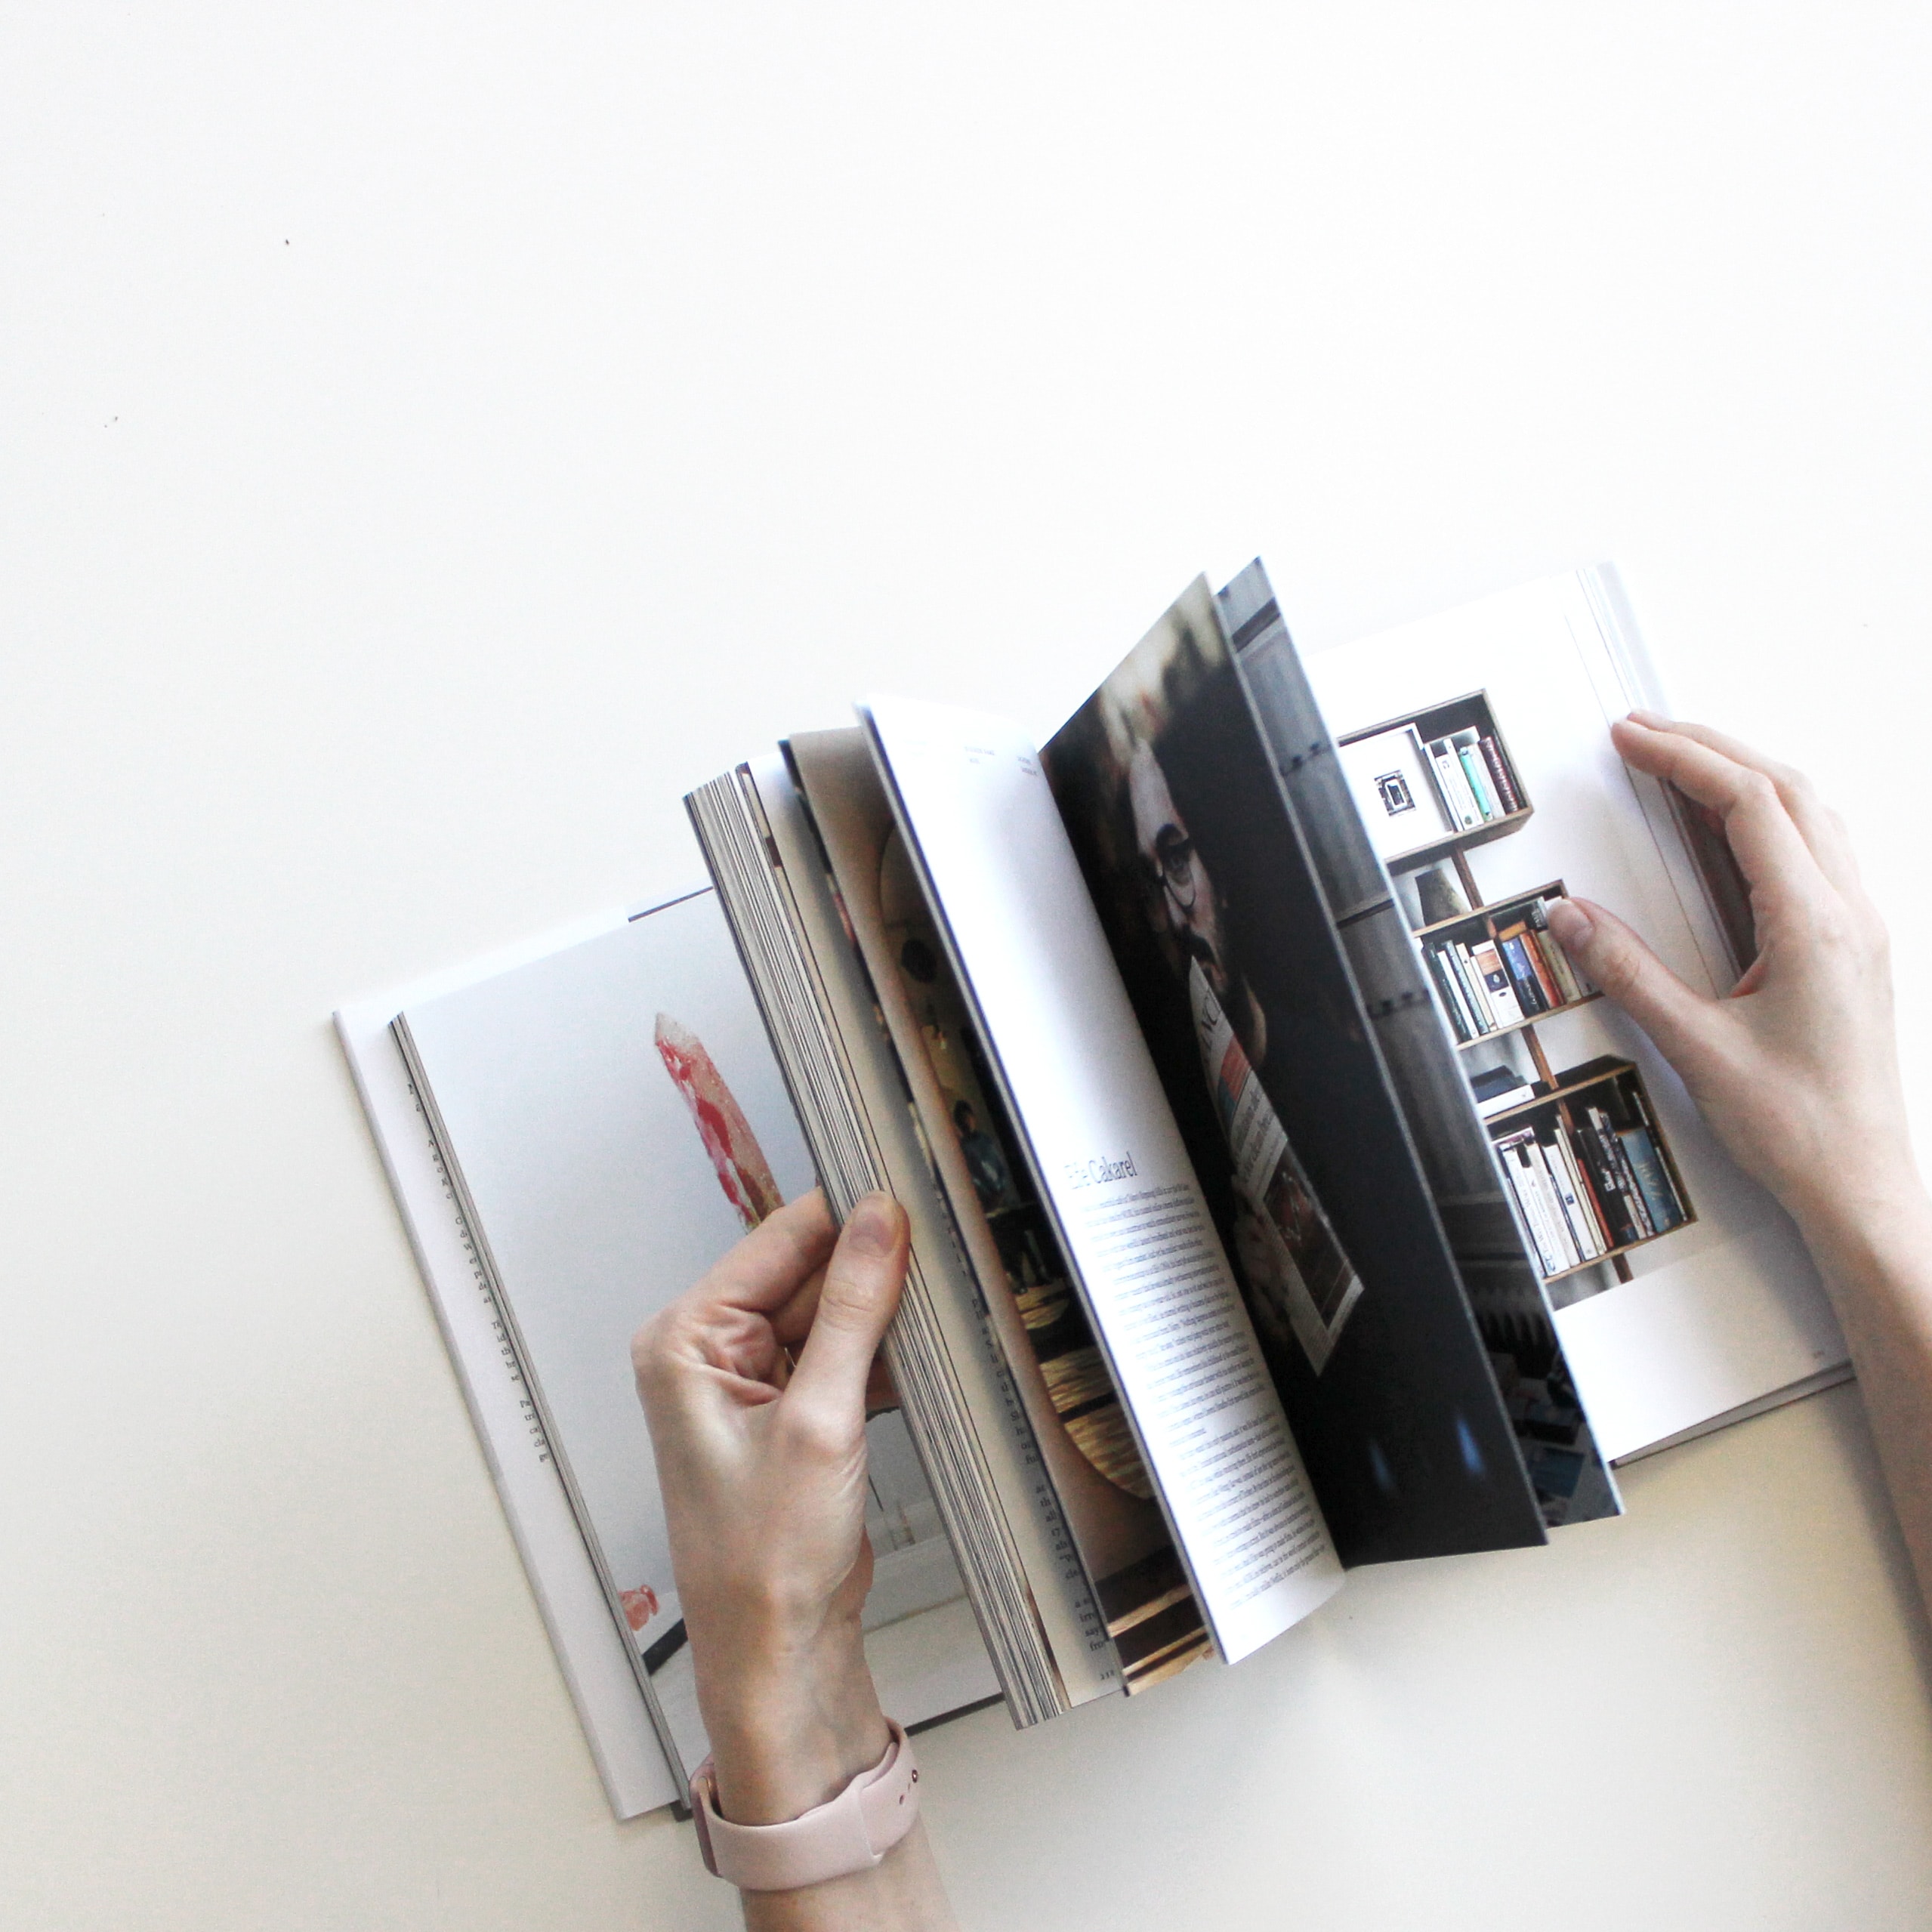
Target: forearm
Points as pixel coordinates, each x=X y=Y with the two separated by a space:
x=1876 y=1258
x=902 y=1893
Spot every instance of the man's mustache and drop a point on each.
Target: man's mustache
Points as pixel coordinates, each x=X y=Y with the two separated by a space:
x=1195 y=947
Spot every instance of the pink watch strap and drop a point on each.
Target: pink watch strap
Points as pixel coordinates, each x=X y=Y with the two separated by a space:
x=851 y=1833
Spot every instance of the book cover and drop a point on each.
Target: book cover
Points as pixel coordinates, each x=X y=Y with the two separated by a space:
x=1497 y=987
x=1498 y=766
x=1469 y=753
x=1660 y=1198
x=1530 y=995
x=1455 y=783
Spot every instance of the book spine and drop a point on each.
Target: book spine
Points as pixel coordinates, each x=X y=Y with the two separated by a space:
x=1652 y=1183
x=1454 y=1009
x=1587 y=1193
x=1472 y=983
x=1543 y=949
x=1614 y=1148
x=1561 y=970
x=1470 y=758
x=1570 y=1183
x=1496 y=984
x=1461 y=801
x=1533 y=953
x=1523 y=981
x=1506 y=1165
x=1623 y=1227
x=1544 y=1177
x=1516 y=1172
x=1499 y=773
x=1567 y=984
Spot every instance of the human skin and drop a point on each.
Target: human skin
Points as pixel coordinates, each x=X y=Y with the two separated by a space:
x=763 y=1467
x=1796 y=1070
x=763 y=1472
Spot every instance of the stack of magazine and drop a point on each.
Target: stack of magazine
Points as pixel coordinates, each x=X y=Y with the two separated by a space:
x=1231 y=1270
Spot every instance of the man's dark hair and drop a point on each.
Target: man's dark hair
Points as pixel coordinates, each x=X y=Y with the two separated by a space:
x=963 y=1115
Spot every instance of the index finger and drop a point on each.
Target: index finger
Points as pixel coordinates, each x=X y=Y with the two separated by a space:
x=1771 y=850
x=1818 y=825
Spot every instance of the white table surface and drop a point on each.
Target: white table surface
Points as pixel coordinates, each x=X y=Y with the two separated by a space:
x=431 y=437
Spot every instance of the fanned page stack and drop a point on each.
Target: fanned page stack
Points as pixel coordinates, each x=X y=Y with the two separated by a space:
x=1282 y=1200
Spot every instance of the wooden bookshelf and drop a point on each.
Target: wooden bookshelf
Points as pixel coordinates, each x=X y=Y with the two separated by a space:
x=1618 y=1081
x=1485 y=923
x=1622 y=1087
x=1554 y=889
x=1525 y=1026
x=1579 y=1080
x=1469 y=712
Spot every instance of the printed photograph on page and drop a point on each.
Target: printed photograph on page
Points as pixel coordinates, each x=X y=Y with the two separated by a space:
x=1242 y=988
x=620 y=1123
x=1148 y=773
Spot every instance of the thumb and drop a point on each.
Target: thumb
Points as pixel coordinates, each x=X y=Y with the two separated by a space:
x=1676 y=1018
x=855 y=1303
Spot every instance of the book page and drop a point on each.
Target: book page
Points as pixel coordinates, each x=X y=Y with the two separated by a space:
x=1130 y=1578
x=1384 y=780
x=1727 y=1309
x=955 y=1380
x=612 y=1121
x=594 y=1656
x=1012 y=910
x=1231 y=956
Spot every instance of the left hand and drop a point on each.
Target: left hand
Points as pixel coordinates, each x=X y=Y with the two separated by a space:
x=763 y=1466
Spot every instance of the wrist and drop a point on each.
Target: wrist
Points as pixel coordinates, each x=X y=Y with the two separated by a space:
x=1855 y=1197
x=790 y=1728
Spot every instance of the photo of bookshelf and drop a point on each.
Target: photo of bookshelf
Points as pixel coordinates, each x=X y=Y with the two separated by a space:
x=1497 y=968
x=1579 y=1150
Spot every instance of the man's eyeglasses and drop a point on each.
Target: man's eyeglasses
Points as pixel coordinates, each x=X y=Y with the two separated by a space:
x=1171 y=868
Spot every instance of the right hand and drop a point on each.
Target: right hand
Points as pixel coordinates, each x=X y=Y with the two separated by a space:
x=1796 y=1069
x=763 y=1467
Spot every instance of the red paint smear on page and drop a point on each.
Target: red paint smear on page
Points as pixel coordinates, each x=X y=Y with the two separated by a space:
x=736 y=1156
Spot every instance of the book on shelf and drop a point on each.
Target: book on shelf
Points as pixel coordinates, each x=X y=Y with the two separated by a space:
x=1498 y=1088
x=1467 y=746
x=1229 y=1273
x=1536 y=976
x=1454 y=779
x=1498 y=990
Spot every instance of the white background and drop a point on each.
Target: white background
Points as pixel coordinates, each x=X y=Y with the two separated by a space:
x=431 y=438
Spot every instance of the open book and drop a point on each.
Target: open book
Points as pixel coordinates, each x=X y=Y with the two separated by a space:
x=1282 y=1200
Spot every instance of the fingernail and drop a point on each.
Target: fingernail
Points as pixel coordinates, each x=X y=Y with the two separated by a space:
x=872 y=1226
x=1570 y=923
x=1651 y=721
